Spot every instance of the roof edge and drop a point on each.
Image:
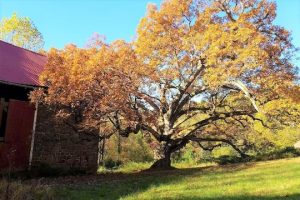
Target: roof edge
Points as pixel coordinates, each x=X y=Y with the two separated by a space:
x=22 y=85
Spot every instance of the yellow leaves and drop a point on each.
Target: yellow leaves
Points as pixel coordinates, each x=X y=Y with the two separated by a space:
x=151 y=9
x=176 y=37
x=181 y=33
x=161 y=33
x=286 y=104
x=182 y=52
x=21 y=31
x=231 y=50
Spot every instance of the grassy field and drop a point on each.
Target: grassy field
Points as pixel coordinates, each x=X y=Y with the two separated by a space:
x=263 y=180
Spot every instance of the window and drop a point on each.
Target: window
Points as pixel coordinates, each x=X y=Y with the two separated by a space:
x=3 y=117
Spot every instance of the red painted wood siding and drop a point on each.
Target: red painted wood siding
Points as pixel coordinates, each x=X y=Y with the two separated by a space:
x=15 y=150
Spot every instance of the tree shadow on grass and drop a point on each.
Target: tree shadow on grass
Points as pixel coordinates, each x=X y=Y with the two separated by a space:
x=116 y=186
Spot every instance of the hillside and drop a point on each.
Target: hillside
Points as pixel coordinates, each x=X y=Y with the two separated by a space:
x=278 y=179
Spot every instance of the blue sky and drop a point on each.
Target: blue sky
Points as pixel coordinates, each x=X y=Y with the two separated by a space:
x=74 y=21
x=66 y=21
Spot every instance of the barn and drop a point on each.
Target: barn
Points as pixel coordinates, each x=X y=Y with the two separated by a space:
x=30 y=136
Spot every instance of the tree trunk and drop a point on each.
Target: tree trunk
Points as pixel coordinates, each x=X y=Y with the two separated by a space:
x=162 y=163
x=101 y=151
x=163 y=158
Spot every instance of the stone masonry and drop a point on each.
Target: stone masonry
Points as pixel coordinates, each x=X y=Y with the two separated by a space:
x=59 y=146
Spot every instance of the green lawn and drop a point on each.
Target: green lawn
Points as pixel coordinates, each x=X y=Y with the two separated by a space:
x=263 y=180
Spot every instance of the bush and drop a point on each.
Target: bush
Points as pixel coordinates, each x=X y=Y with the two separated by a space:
x=228 y=159
x=288 y=152
x=132 y=149
x=189 y=154
x=112 y=164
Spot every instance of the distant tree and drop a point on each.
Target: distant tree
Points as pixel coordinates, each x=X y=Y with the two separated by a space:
x=201 y=71
x=21 y=32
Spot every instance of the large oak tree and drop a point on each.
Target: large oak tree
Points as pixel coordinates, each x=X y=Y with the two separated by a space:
x=216 y=63
x=199 y=71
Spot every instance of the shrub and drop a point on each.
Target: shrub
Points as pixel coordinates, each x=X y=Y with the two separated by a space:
x=229 y=159
x=189 y=154
x=112 y=164
x=288 y=152
x=132 y=149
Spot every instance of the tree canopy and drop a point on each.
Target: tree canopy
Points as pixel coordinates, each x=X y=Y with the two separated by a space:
x=21 y=32
x=199 y=70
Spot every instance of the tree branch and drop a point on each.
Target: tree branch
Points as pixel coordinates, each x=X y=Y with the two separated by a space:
x=219 y=140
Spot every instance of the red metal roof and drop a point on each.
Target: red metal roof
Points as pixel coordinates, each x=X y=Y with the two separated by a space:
x=20 y=66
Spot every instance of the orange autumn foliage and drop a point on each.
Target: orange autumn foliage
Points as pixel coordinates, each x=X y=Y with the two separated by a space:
x=199 y=70
x=86 y=84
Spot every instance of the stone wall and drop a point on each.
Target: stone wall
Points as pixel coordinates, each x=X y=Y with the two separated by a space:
x=59 y=146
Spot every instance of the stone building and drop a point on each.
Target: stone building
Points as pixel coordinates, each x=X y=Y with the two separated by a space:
x=30 y=136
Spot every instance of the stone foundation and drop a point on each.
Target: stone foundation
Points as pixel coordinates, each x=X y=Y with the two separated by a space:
x=59 y=146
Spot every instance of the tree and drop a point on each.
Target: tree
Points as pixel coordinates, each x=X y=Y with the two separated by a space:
x=198 y=71
x=84 y=86
x=21 y=32
x=215 y=63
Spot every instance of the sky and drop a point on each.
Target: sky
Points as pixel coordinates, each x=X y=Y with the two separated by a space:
x=74 y=21
x=65 y=21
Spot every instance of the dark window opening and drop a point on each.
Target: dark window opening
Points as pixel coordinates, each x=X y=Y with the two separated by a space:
x=7 y=92
x=3 y=117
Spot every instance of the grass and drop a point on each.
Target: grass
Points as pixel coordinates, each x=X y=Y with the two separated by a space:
x=269 y=180
x=133 y=167
x=16 y=190
x=130 y=167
